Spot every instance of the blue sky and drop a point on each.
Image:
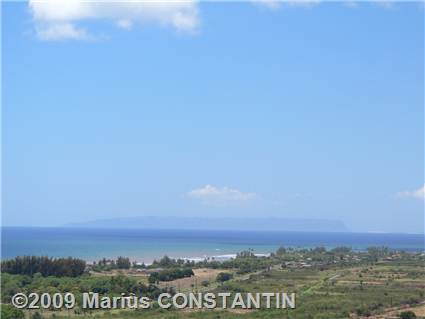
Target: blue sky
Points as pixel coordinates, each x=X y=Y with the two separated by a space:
x=214 y=109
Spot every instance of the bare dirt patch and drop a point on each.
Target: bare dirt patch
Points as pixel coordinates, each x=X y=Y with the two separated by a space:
x=194 y=282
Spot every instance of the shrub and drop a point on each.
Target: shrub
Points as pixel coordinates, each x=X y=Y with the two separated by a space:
x=364 y=312
x=224 y=276
x=36 y=316
x=407 y=314
x=170 y=274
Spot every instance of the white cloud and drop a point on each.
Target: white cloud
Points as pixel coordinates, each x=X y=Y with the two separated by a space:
x=59 y=31
x=303 y=3
x=419 y=193
x=277 y=4
x=58 y=19
x=125 y=24
x=269 y=4
x=223 y=196
x=351 y=3
x=387 y=4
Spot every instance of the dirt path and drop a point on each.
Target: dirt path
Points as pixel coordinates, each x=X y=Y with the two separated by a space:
x=320 y=283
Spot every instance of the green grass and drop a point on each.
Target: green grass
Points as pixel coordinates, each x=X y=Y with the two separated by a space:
x=330 y=294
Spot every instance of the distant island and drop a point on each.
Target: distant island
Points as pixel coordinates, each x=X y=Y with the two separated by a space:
x=174 y=222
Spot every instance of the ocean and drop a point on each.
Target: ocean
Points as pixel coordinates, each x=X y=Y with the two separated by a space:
x=147 y=245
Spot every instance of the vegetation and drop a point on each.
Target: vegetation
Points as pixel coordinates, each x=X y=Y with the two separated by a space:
x=407 y=315
x=110 y=264
x=10 y=312
x=123 y=263
x=224 y=276
x=36 y=315
x=105 y=285
x=30 y=265
x=170 y=274
x=336 y=283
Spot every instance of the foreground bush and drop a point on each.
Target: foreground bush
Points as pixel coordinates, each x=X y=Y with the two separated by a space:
x=10 y=312
x=407 y=315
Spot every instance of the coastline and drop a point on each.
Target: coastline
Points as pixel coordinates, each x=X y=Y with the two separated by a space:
x=147 y=245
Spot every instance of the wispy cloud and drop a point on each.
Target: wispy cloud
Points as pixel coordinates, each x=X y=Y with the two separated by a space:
x=220 y=196
x=418 y=193
x=61 y=19
x=269 y=4
x=277 y=4
x=387 y=4
x=62 y=31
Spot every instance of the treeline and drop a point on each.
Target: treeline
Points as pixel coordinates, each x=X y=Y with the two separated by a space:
x=167 y=262
x=46 y=266
x=170 y=274
x=109 y=264
x=246 y=261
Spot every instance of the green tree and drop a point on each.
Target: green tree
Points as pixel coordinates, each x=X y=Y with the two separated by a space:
x=123 y=263
x=30 y=265
x=10 y=312
x=153 y=277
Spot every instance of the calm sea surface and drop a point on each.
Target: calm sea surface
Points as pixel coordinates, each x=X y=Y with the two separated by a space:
x=146 y=245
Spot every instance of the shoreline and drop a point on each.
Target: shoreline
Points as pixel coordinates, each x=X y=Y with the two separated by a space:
x=148 y=245
x=192 y=258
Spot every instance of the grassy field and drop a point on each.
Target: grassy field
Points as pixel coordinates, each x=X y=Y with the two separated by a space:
x=381 y=290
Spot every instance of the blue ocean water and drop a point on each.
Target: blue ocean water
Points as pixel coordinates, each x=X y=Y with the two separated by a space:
x=146 y=245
